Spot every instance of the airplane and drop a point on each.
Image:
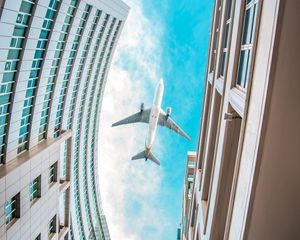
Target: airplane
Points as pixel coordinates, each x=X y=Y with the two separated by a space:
x=153 y=116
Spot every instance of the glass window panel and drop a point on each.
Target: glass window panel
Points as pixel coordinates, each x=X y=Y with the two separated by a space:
x=19 y=31
x=223 y=64
x=7 y=66
x=246 y=26
x=23 y=130
x=226 y=35
x=38 y=54
x=253 y=23
x=64 y=28
x=13 y=42
x=4 y=99
x=38 y=237
x=8 y=77
x=19 y=43
x=2 y=120
x=25 y=7
x=229 y=9
x=50 y=14
x=51 y=226
x=34 y=189
x=25 y=19
x=10 y=209
x=242 y=68
x=25 y=112
x=67 y=19
x=44 y=34
x=13 y=54
x=19 y=18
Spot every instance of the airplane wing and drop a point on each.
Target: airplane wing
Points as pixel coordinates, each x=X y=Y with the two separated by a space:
x=142 y=116
x=168 y=122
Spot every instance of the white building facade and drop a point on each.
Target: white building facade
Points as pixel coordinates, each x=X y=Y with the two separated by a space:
x=247 y=172
x=54 y=60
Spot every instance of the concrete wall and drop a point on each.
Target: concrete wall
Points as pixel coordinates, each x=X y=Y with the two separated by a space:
x=15 y=178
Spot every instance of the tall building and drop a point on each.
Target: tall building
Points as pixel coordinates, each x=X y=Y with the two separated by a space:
x=187 y=194
x=54 y=60
x=247 y=178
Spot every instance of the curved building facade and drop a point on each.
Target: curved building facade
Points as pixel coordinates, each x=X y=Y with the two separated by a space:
x=54 y=60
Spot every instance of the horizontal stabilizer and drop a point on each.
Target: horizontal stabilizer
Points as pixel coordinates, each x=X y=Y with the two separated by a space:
x=139 y=156
x=142 y=155
x=153 y=158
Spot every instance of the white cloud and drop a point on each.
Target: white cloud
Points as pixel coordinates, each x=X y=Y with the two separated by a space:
x=124 y=183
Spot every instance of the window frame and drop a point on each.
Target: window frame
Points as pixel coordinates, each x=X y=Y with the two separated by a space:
x=36 y=194
x=228 y=20
x=51 y=228
x=52 y=177
x=215 y=36
x=243 y=47
x=14 y=214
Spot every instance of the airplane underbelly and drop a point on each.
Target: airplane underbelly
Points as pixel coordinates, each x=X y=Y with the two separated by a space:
x=150 y=139
x=152 y=126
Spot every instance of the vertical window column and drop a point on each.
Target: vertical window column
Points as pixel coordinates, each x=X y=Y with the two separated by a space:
x=78 y=129
x=224 y=54
x=68 y=70
x=10 y=69
x=34 y=75
x=216 y=35
x=93 y=114
x=78 y=76
x=64 y=209
x=63 y=161
x=54 y=68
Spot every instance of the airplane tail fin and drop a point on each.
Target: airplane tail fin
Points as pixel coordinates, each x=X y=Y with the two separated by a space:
x=143 y=155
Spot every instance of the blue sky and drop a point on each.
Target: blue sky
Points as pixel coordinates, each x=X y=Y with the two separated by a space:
x=160 y=39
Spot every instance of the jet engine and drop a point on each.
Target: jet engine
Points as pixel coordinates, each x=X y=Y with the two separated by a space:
x=142 y=107
x=169 y=111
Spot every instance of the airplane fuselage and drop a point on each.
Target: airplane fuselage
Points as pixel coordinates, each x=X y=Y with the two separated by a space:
x=154 y=115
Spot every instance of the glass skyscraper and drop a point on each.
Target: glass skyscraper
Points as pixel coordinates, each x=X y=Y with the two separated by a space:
x=54 y=60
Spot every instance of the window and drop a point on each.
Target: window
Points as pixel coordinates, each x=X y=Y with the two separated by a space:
x=64 y=158
x=216 y=34
x=226 y=37
x=52 y=226
x=247 y=43
x=13 y=54
x=53 y=173
x=19 y=31
x=34 y=188
x=38 y=237
x=25 y=7
x=62 y=209
x=12 y=210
